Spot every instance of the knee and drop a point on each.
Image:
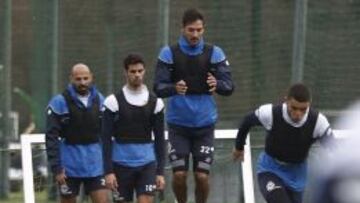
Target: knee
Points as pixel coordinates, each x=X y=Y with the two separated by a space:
x=201 y=177
x=180 y=176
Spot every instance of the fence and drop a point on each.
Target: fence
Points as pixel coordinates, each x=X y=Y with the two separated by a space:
x=269 y=44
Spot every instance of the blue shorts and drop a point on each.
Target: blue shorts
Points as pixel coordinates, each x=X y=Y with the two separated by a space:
x=199 y=142
x=142 y=179
x=72 y=186
x=273 y=189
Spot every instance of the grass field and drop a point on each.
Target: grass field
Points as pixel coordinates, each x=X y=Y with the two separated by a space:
x=17 y=197
x=40 y=197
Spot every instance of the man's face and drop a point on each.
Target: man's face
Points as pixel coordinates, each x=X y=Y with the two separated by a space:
x=296 y=109
x=81 y=78
x=135 y=75
x=193 y=32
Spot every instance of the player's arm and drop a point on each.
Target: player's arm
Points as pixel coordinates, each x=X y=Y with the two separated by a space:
x=248 y=122
x=221 y=71
x=163 y=85
x=107 y=131
x=261 y=116
x=110 y=112
x=159 y=143
x=224 y=83
x=52 y=140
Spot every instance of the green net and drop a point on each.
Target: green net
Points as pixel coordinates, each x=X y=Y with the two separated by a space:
x=48 y=37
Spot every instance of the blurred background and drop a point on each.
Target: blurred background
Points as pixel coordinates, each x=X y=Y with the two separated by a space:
x=269 y=44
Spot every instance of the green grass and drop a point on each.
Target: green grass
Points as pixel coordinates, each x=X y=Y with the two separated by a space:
x=17 y=197
x=40 y=197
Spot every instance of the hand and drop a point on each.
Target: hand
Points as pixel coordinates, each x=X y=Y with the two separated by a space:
x=238 y=154
x=211 y=81
x=160 y=182
x=181 y=87
x=111 y=182
x=61 y=178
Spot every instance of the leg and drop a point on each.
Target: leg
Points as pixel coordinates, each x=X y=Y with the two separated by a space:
x=273 y=189
x=295 y=196
x=145 y=199
x=96 y=188
x=179 y=186
x=99 y=196
x=146 y=183
x=68 y=199
x=126 y=177
x=179 y=160
x=70 y=190
x=202 y=187
x=202 y=150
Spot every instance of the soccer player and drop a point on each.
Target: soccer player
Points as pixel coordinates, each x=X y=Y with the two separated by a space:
x=189 y=73
x=73 y=138
x=291 y=129
x=132 y=160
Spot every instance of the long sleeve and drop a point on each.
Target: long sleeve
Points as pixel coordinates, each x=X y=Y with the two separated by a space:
x=225 y=85
x=106 y=138
x=163 y=86
x=52 y=141
x=248 y=122
x=159 y=142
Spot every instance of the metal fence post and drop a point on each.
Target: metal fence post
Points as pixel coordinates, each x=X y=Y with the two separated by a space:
x=299 y=41
x=5 y=93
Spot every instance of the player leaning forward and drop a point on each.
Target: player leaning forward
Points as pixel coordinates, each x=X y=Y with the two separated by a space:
x=292 y=127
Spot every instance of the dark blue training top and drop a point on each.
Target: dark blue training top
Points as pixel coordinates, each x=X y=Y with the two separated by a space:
x=195 y=110
x=78 y=160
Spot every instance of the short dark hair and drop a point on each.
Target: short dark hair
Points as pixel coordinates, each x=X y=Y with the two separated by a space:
x=133 y=58
x=299 y=92
x=191 y=15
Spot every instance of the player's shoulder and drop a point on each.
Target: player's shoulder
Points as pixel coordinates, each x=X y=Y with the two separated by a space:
x=58 y=105
x=322 y=119
x=111 y=103
x=265 y=108
x=159 y=105
x=218 y=54
x=166 y=55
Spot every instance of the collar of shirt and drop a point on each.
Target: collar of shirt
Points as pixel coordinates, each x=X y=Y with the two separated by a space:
x=84 y=99
x=79 y=100
x=191 y=50
x=287 y=118
x=138 y=97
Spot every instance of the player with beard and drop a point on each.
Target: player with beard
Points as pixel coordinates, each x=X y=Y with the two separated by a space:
x=189 y=73
x=73 y=138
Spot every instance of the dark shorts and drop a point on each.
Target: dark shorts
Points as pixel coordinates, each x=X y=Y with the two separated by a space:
x=274 y=190
x=73 y=184
x=199 y=142
x=142 y=179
